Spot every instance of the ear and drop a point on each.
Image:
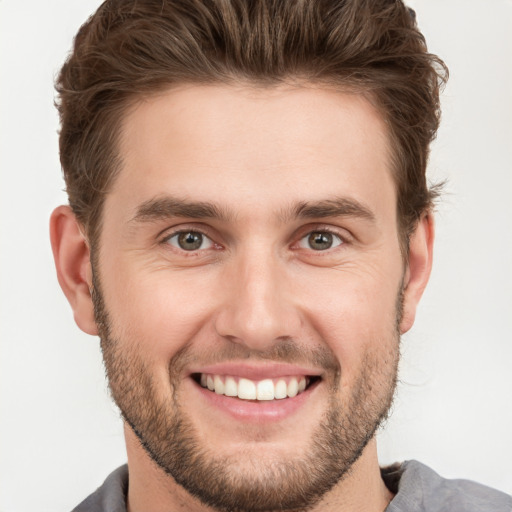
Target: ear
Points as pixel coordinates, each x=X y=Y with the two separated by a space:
x=73 y=264
x=421 y=246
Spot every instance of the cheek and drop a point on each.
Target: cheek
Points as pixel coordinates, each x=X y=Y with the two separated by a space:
x=354 y=312
x=159 y=311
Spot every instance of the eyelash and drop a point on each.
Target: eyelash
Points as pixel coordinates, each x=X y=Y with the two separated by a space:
x=343 y=239
x=166 y=240
x=323 y=229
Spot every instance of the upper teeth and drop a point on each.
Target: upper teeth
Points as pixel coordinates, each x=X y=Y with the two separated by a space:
x=267 y=389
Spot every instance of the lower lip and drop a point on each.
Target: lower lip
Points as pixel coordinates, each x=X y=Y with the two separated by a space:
x=256 y=411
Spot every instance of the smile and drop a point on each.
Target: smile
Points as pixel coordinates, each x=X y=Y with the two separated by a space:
x=247 y=389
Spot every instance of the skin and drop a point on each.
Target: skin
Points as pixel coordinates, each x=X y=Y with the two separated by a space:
x=255 y=154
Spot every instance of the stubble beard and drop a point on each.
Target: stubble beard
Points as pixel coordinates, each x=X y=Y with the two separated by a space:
x=232 y=483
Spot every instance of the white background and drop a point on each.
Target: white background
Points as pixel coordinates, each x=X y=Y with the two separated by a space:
x=60 y=435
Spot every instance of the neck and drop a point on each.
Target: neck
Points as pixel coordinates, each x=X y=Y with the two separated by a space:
x=150 y=488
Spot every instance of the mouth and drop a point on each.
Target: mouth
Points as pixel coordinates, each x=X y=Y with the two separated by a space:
x=269 y=389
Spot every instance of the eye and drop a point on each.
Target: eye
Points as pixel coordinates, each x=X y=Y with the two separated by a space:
x=189 y=241
x=320 y=241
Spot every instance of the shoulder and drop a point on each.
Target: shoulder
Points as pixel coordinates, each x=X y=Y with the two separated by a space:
x=420 y=489
x=110 y=497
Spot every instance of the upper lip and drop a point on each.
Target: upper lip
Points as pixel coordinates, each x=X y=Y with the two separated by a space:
x=269 y=370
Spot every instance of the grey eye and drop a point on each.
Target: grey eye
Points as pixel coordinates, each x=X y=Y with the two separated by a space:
x=190 y=241
x=320 y=241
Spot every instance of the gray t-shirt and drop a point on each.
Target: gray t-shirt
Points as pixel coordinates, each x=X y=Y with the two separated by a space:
x=417 y=489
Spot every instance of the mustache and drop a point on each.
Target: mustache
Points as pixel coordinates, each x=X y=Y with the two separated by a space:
x=283 y=350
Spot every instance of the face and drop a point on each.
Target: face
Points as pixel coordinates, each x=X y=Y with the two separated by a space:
x=248 y=288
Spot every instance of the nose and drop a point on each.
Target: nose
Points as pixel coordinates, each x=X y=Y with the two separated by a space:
x=258 y=308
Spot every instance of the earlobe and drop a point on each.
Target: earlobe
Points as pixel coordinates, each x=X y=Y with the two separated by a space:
x=72 y=262
x=418 y=269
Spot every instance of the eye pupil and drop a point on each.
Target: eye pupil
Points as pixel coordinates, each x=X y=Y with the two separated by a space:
x=190 y=241
x=320 y=241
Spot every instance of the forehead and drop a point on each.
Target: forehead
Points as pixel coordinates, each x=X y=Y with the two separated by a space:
x=244 y=145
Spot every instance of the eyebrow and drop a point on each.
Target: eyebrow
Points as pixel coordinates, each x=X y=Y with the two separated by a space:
x=336 y=207
x=161 y=208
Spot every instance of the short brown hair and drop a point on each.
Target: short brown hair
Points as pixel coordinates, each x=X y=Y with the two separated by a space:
x=132 y=48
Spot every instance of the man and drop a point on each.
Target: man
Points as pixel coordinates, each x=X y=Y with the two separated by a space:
x=249 y=233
